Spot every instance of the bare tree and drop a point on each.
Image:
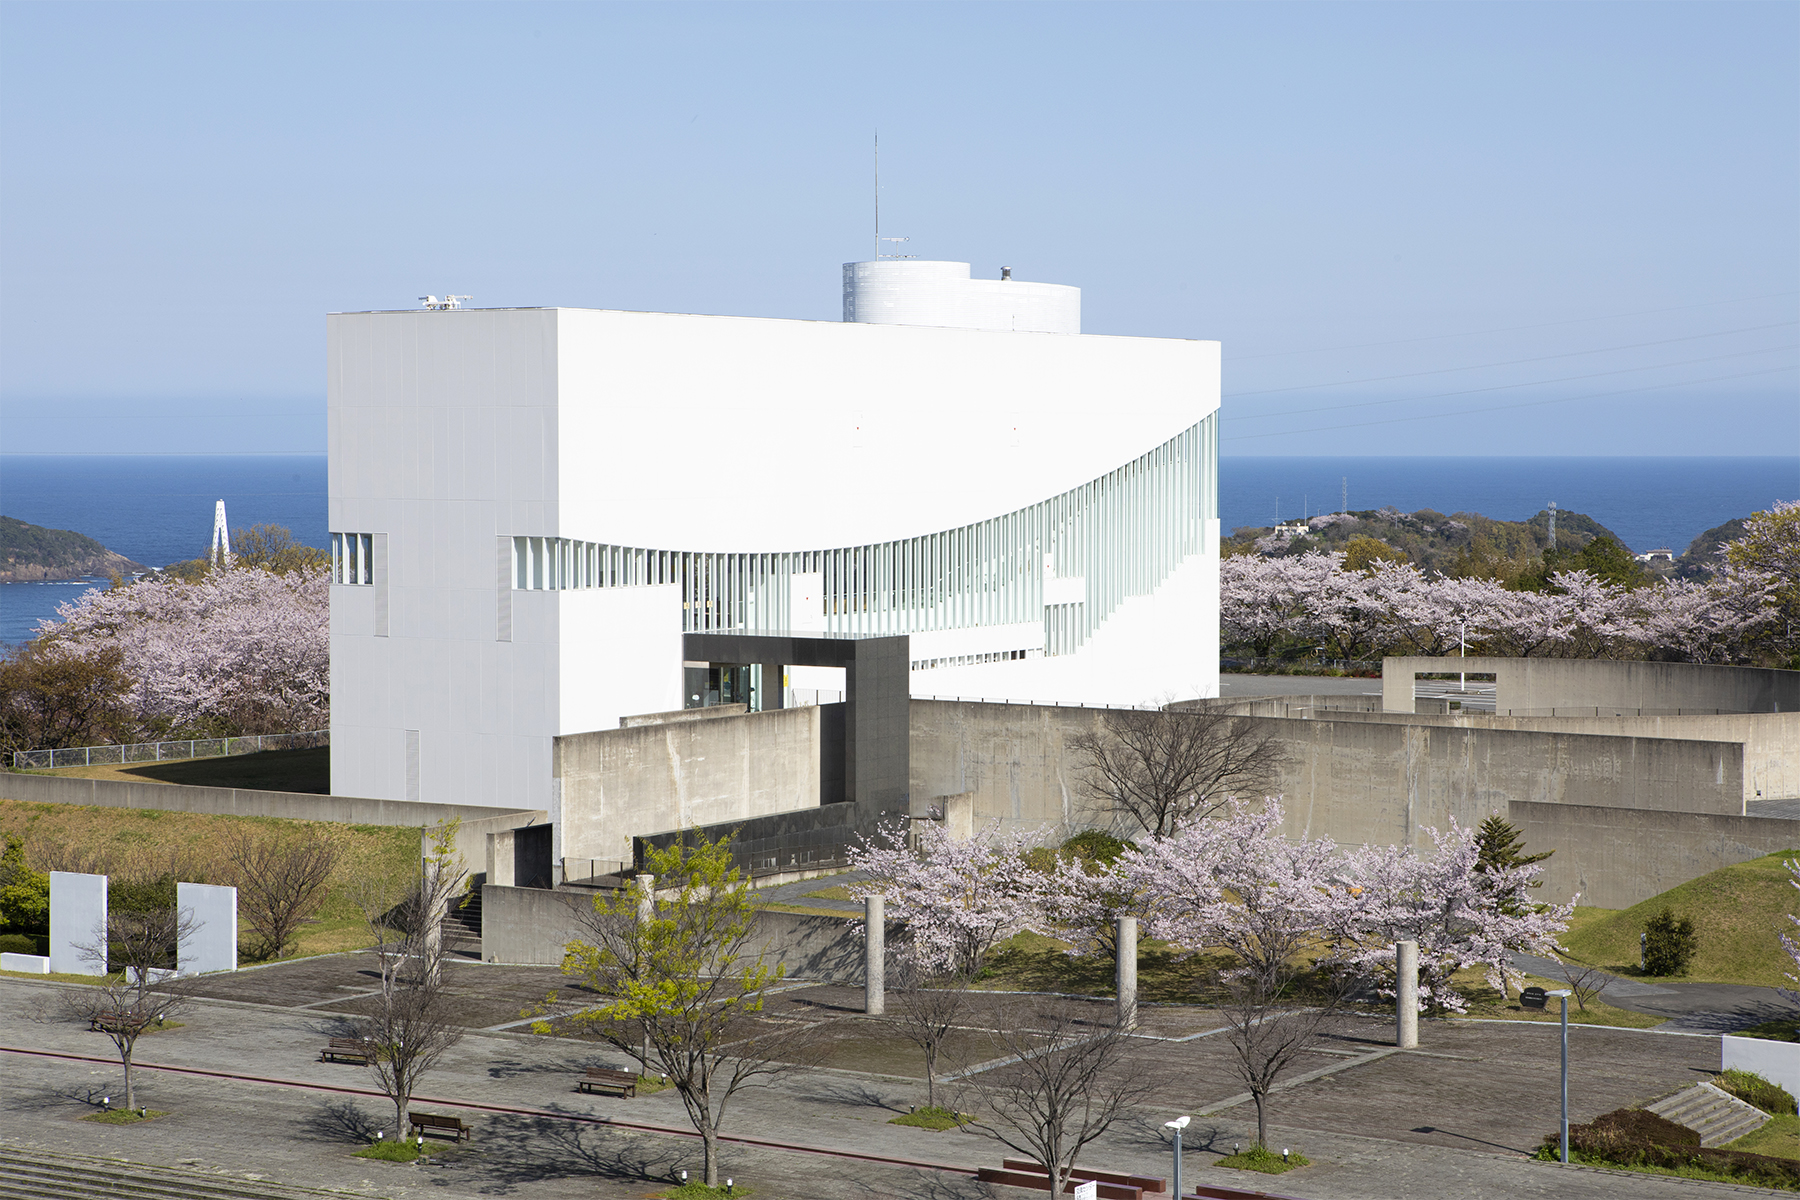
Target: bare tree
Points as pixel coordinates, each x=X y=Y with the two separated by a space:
x=1064 y=1077
x=1585 y=982
x=412 y=1025
x=280 y=882
x=926 y=1010
x=140 y=991
x=686 y=989
x=1271 y=1026
x=1163 y=768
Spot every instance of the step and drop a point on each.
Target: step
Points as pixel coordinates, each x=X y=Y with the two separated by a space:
x=1717 y=1116
x=31 y=1174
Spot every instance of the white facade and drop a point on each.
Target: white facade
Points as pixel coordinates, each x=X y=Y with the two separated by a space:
x=912 y=291
x=530 y=506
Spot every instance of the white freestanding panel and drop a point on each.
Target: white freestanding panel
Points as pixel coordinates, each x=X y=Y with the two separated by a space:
x=77 y=918
x=213 y=944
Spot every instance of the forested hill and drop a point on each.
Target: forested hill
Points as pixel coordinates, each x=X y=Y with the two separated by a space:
x=1461 y=543
x=32 y=552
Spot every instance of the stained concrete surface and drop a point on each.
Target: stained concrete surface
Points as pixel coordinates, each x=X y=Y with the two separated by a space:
x=1452 y=1119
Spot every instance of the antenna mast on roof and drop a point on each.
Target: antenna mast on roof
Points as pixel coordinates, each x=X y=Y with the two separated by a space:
x=878 y=238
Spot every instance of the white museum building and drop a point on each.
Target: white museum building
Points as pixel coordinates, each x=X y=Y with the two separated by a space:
x=531 y=508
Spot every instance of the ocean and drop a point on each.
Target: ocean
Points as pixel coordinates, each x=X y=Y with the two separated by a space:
x=159 y=509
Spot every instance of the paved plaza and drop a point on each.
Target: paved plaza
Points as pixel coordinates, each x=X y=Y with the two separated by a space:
x=1455 y=1118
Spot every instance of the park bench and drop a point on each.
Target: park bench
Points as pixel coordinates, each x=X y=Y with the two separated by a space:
x=351 y=1050
x=622 y=1083
x=452 y=1125
x=109 y=1022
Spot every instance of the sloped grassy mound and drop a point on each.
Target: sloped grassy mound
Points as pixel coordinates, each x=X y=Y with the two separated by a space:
x=1739 y=913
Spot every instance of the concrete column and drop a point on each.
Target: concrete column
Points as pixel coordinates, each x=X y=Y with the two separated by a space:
x=874 y=955
x=1127 y=973
x=772 y=691
x=1406 y=994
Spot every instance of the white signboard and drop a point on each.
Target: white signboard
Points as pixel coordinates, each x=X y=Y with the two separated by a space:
x=1087 y=1191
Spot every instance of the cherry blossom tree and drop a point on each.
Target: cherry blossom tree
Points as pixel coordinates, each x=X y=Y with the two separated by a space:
x=242 y=650
x=1460 y=914
x=959 y=897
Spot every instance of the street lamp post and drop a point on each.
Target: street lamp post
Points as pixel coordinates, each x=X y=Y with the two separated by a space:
x=1178 y=1124
x=1564 y=996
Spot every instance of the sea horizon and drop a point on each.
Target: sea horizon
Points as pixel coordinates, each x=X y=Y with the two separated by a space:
x=158 y=508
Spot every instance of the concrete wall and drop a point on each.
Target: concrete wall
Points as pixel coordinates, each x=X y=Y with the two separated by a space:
x=617 y=783
x=531 y=925
x=1566 y=686
x=1351 y=779
x=1771 y=741
x=213 y=945
x=238 y=802
x=77 y=919
x=1616 y=857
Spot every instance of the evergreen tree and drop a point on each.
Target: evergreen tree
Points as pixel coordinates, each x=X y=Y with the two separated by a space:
x=1501 y=843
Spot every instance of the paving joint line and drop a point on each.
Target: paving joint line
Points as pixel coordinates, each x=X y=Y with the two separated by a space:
x=515 y=1110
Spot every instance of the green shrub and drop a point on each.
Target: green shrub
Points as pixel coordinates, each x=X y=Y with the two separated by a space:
x=1669 y=944
x=23 y=943
x=1752 y=1088
x=1095 y=846
x=1632 y=1137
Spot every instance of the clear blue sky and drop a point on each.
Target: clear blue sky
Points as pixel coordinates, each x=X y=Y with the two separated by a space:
x=1383 y=211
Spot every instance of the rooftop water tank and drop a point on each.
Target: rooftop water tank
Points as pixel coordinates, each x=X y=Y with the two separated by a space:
x=911 y=291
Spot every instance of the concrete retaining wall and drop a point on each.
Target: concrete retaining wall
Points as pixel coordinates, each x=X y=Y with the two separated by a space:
x=1771 y=741
x=674 y=775
x=1551 y=686
x=1616 y=857
x=531 y=925
x=235 y=802
x=1349 y=778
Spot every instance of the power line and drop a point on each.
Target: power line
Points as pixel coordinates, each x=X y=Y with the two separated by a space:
x=1649 y=387
x=1502 y=387
x=1438 y=337
x=1513 y=362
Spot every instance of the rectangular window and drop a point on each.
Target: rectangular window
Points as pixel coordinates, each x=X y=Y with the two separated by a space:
x=353 y=559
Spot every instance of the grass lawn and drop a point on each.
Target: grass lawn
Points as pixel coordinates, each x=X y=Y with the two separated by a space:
x=1033 y=963
x=1266 y=1161
x=933 y=1117
x=125 y=1116
x=693 y=1189
x=1780 y=1138
x=1485 y=1002
x=836 y=891
x=402 y=1150
x=267 y=770
x=1739 y=913
x=146 y=842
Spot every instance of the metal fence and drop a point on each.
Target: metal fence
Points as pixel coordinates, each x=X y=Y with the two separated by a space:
x=95 y=756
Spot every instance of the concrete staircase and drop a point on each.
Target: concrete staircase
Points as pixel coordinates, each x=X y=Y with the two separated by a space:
x=48 y=1175
x=1715 y=1115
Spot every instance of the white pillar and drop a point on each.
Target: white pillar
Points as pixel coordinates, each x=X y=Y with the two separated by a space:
x=1127 y=973
x=1406 y=994
x=874 y=956
x=646 y=913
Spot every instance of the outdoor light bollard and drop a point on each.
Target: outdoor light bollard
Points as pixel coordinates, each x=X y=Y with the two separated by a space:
x=1406 y=995
x=1564 y=996
x=1127 y=973
x=874 y=956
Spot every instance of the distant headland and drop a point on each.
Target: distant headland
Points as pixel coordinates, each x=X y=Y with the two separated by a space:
x=32 y=553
